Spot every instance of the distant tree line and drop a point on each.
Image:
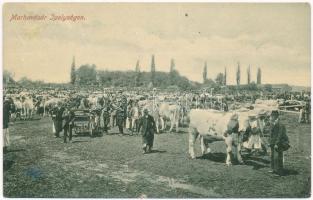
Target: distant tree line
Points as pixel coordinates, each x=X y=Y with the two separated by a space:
x=89 y=75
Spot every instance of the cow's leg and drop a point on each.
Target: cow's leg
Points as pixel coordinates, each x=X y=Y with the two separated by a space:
x=22 y=114
x=237 y=144
x=202 y=144
x=239 y=158
x=193 y=134
x=157 y=125
x=172 y=123
x=26 y=114
x=228 y=142
x=162 y=123
x=181 y=118
x=177 y=123
x=31 y=112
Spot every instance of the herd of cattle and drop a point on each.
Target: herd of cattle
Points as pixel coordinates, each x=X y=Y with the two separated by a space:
x=208 y=117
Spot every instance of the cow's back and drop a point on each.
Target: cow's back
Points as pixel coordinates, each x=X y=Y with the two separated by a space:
x=210 y=122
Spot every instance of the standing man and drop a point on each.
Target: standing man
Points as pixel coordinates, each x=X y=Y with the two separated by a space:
x=120 y=116
x=147 y=128
x=278 y=142
x=105 y=115
x=6 y=120
x=307 y=112
x=68 y=117
x=58 y=119
x=123 y=99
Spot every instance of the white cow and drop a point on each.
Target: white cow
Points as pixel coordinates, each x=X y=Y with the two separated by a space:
x=27 y=107
x=218 y=125
x=51 y=103
x=171 y=113
x=266 y=104
x=18 y=108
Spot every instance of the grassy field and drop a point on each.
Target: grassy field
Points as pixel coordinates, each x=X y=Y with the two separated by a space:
x=39 y=165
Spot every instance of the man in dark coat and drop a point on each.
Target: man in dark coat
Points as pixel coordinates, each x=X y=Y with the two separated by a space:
x=278 y=142
x=105 y=116
x=68 y=117
x=6 y=120
x=147 y=128
x=57 y=117
x=120 y=116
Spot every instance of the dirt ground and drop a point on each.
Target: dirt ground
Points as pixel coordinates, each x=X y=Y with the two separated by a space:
x=39 y=165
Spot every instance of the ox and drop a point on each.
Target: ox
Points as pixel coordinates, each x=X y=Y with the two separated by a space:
x=217 y=125
x=18 y=106
x=51 y=103
x=171 y=112
x=161 y=113
x=266 y=104
x=27 y=107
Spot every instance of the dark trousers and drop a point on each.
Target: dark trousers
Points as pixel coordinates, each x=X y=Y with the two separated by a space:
x=120 y=123
x=147 y=140
x=277 y=161
x=120 y=129
x=106 y=121
x=67 y=129
x=58 y=127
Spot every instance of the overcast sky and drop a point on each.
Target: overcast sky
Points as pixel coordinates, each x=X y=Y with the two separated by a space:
x=274 y=37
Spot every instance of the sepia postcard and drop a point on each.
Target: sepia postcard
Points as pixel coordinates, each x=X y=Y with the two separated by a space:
x=156 y=100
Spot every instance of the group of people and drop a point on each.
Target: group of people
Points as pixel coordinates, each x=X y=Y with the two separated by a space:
x=278 y=139
x=115 y=111
x=110 y=113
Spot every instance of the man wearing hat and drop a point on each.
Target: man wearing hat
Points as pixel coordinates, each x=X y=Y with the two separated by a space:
x=147 y=128
x=120 y=116
x=68 y=117
x=278 y=142
x=58 y=119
